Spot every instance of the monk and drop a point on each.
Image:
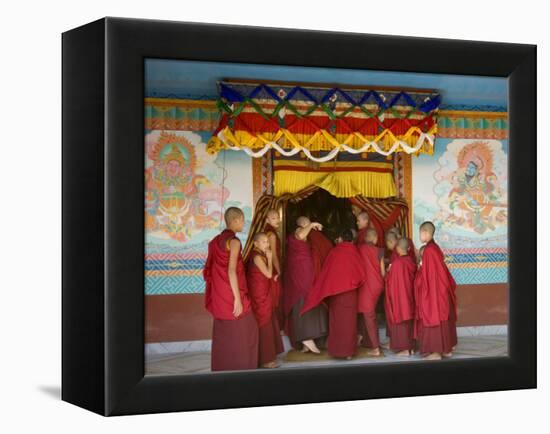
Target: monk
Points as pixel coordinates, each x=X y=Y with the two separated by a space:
x=304 y=330
x=362 y=227
x=235 y=330
x=436 y=300
x=260 y=274
x=412 y=251
x=390 y=252
x=399 y=301
x=369 y=293
x=271 y=227
x=337 y=285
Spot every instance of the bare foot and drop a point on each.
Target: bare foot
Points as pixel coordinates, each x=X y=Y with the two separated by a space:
x=373 y=351
x=310 y=345
x=433 y=356
x=304 y=349
x=404 y=353
x=349 y=357
x=447 y=355
x=270 y=365
x=359 y=339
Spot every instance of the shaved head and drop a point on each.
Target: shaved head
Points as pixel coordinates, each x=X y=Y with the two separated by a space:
x=390 y=236
x=362 y=220
x=371 y=236
x=302 y=221
x=231 y=214
x=259 y=236
x=428 y=227
x=403 y=244
x=363 y=215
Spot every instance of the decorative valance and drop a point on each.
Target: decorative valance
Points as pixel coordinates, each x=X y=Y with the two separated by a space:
x=294 y=118
x=347 y=175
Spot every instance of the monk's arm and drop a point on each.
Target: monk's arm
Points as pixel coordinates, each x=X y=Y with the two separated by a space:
x=234 y=247
x=266 y=269
x=273 y=244
x=303 y=232
x=382 y=267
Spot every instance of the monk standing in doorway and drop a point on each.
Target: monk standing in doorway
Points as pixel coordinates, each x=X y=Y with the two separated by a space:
x=235 y=330
x=337 y=285
x=363 y=221
x=436 y=301
x=304 y=330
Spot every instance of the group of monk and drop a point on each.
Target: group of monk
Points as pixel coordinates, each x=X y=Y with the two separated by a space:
x=325 y=294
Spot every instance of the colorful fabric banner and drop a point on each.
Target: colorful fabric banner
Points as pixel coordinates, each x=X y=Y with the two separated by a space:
x=293 y=118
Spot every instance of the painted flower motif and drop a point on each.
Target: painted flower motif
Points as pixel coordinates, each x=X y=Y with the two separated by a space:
x=334 y=97
x=281 y=93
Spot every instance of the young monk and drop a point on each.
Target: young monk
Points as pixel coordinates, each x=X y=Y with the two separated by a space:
x=304 y=330
x=436 y=301
x=260 y=273
x=272 y=223
x=412 y=251
x=362 y=221
x=337 y=284
x=390 y=253
x=370 y=291
x=399 y=301
x=235 y=331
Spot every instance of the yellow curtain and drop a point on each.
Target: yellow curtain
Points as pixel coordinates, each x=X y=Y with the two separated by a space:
x=339 y=184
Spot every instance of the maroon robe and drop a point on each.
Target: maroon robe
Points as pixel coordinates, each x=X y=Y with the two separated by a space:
x=361 y=236
x=277 y=287
x=298 y=280
x=337 y=284
x=320 y=247
x=399 y=303
x=370 y=292
x=234 y=340
x=299 y=271
x=411 y=250
x=260 y=289
x=435 y=290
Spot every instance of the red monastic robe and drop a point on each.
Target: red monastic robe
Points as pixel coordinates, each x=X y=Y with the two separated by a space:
x=435 y=290
x=400 y=304
x=299 y=272
x=399 y=299
x=260 y=289
x=276 y=285
x=370 y=291
x=320 y=248
x=361 y=236
x=234 y=340
x=218 y=295
x=337 y=284
x=411 y=250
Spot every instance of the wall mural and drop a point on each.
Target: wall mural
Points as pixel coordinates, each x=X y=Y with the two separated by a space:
x=186 y=190
x=463 y=188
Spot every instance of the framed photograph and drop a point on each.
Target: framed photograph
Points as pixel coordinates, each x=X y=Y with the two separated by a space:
x=257 y=216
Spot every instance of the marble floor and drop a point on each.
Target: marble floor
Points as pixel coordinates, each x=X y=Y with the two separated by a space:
x=194 y=362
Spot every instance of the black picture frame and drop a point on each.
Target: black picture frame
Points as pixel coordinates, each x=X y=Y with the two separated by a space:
x=103 y=218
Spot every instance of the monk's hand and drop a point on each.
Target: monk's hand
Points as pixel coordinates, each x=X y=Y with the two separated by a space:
x=317 y=226
x=276 y=277
x=237 y=307
x=269 y=253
